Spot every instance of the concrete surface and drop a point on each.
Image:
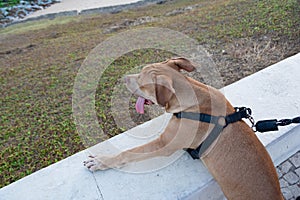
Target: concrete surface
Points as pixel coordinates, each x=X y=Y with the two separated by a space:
x=271 y=93
x=78 y=5
x=289 y=177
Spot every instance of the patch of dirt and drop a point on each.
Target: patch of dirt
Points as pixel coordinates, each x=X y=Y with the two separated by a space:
x=127 y=23
x=182 y=10
x=245 y=56
x=18 y=50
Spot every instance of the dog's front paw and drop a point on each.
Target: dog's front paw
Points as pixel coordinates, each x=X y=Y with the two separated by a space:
x=95 y=163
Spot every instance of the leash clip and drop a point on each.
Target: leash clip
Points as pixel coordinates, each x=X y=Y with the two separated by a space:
x=252 y=121
x=248 y=113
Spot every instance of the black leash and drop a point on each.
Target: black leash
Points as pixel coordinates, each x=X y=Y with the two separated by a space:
x=222 y=121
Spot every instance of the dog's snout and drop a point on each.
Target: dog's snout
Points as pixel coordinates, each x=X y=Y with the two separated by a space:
x=130 y=79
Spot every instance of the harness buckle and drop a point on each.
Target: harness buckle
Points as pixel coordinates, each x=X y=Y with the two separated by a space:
x=221 y=121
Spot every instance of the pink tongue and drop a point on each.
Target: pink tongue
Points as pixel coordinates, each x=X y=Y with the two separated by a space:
x=139 y=106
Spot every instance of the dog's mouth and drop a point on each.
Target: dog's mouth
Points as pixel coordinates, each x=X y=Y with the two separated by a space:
x=140 y=104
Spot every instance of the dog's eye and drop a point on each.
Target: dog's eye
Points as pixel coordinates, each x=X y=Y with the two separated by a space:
x=139 y=76
x=139 y=79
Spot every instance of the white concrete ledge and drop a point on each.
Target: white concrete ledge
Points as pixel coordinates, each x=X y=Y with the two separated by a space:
x=271 y=93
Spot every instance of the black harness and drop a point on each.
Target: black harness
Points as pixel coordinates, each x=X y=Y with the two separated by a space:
x=220 y=123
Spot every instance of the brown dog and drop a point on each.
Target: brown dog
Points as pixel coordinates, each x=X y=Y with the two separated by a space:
x=237 y=160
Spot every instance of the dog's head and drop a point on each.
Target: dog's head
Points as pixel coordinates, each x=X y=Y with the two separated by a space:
x=156 y=83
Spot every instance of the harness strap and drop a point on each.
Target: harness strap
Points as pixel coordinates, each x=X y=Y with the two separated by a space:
x=220 y=123
x=197 y=117
x=210 y=139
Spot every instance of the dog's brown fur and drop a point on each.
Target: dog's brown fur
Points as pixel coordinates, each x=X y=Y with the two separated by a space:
x=237 y=160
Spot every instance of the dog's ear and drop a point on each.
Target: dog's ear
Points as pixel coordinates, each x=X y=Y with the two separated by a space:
x=180 y=63
x=163 y=89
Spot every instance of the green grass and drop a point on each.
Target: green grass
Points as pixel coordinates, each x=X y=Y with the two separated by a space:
x=40 y=60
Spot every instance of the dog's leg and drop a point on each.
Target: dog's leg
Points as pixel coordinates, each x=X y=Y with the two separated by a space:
x=172 y=139
x=149 y=150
